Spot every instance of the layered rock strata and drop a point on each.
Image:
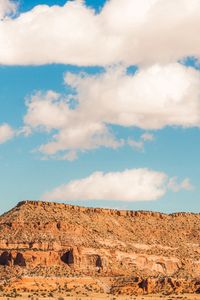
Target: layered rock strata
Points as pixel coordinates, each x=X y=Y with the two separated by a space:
x=148 y=251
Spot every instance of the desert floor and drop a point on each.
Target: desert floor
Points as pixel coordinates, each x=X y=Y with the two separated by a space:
x=103 y=296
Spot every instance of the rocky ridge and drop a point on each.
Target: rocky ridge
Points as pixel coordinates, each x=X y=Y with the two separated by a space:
x=118 y=251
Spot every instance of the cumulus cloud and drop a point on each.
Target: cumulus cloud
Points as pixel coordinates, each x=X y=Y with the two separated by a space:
x=129 y=185
x=151 y=99
x=6 y=133
x=48 y=112
x=129 y=31
x=7 y=7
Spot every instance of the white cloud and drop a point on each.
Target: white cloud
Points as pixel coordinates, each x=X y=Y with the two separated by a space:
x=139 y=145
x=147 y=137
x=6 y=133
x=183 y=185
x=70 y=155
x=47 y=110
x=129 y=185
x=128 y=31
x=7 y=7
x=151 y=99
x=50 y=111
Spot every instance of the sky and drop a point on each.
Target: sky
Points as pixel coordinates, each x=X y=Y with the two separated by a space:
x=100 y=103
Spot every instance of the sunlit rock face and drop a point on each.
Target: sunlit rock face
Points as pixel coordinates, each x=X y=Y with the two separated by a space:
x=44 y=239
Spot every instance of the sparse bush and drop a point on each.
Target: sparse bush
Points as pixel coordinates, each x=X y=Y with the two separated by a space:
x=51 y=295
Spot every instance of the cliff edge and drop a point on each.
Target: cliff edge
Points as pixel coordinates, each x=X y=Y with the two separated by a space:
x=136 y=251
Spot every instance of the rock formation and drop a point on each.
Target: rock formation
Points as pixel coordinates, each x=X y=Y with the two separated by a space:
x=45 y=244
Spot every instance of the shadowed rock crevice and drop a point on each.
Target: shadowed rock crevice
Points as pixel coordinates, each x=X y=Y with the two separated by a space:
x=20 y=260
x=5 y=259
x=68 y=257
x=99 y=262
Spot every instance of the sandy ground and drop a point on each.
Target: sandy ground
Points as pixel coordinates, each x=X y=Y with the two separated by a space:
x=103 y=296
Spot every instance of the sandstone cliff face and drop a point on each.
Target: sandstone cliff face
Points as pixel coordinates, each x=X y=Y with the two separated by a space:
x=44 y=239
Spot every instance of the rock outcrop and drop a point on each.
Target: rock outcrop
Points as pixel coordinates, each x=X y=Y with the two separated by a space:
x=140 y=252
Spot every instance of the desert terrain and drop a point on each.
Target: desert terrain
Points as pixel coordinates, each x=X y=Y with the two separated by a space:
x=52 y=250
x=103 y=296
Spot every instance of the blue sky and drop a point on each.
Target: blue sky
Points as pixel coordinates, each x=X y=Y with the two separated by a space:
x=27 y=5
x=171 y=149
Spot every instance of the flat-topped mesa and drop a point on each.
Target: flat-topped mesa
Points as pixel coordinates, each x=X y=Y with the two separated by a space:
x=63 y=239
x=106 y=211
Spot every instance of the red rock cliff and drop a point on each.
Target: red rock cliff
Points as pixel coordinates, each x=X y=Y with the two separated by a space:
x=43 y=238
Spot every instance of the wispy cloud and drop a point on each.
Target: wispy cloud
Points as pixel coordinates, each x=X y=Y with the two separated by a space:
x=176 y=186
x=139 y=144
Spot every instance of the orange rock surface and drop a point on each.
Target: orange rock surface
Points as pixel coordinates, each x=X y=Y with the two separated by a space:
x=45 y=244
